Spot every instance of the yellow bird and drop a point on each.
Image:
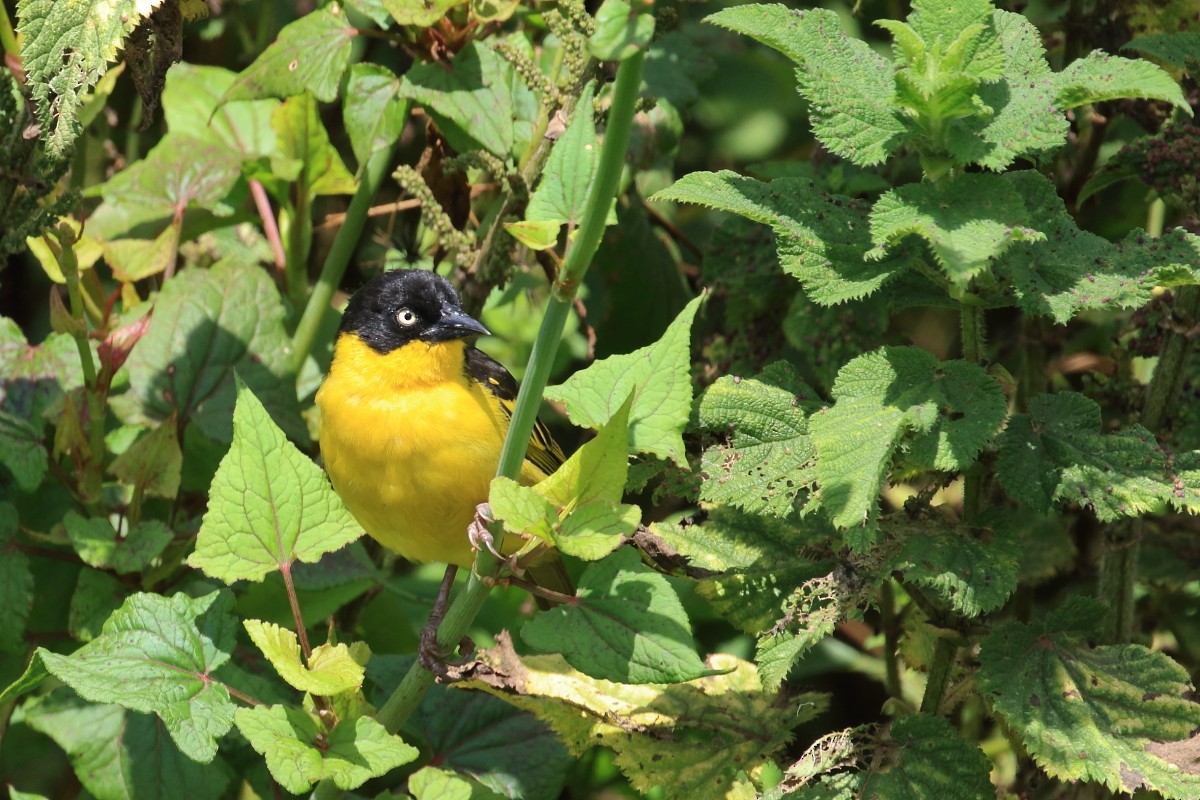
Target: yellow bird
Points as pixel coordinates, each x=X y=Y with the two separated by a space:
x=413 y=417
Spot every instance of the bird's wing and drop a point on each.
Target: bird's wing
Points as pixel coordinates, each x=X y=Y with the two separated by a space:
x=544 y=453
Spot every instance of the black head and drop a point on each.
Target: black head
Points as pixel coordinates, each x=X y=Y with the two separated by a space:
x=402 y=306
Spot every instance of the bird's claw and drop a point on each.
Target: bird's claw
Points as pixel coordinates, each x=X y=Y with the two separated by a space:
x=479 y=531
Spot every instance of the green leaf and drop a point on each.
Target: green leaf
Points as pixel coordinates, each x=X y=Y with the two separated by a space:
x=943 y=23
x=206 y=324
x=135 y=259
x=374 y=113
x=101 y=546
x=65 y=49
x=535 y=235
x=1099 y=76
x=269 y=505
x=598 y=469
x=1074 y=270
x=822 y=238
x=658 y=378
x=767 y=461
x=1024 y=119
x=952 y=408
x=299 y=754
x=1178 y=48
x=972 y=570
x=482 y=737
x=1058 y=453
x=34 y=377
x=182 y=173
x=16 y=584
x=420 y=13
x=331 y=669
x=192 y=104
x=472 y=102
x=433 y=783
x=921 y=756
x=627 y=625
x=302 y=136
x=620 y=31
x=729 y=539
x=675 y=63
x=119 y=755
x=848 y=85
x=967 y=222
x=1091 y=713
x=97 y=595
x=154 y=655
x=522 y=510
x=22 y=452
x=677 y=735
x=310 y=54
x=570 y=171
x=153 y=463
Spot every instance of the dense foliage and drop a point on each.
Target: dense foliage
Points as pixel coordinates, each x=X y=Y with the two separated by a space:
x=881 y=400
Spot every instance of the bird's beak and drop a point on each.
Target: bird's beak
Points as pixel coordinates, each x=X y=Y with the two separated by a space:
x=454 y=324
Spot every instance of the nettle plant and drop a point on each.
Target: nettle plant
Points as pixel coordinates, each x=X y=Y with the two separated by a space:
x=160 y=499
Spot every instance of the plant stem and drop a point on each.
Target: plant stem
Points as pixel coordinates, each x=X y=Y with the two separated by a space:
x=334 y=268
x=939 y=675
x=891 y=636
x=270 y=226
x=407 y=696
x=973 y=334
x=294 y=603
x=1156 y=215
x=8 y=39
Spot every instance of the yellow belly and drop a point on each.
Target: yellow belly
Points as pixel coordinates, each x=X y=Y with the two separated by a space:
x=410 y=445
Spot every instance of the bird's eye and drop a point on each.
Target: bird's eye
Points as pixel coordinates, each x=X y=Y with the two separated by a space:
x=406 y=317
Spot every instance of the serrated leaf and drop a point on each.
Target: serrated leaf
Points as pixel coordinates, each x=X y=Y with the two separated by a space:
x=373 y=112
x=65 y=49
x=309 y=54
x=331 y=669
x=269 y=505
x=16 y=584
x=1099 y=76
x=1024 y=119
x=153 y=463
x=811 y=613
x=420 y=13
x=1074 y=270
x=973 y=571
x=822 y=238
x=120 y=755
x=22 y=452
x=472 y=102
x=848 y=85
x=302 y=136
x=620 y=31
x=967 y=222
x=433 y=783
x=656 y=376
x=299 y=754
x=1090 y=713
x=952 y=408
x=626 y=625
x=487 y=739
x=1178 y=48
x=570 y=171
x=207 y=324
x=597 y=470
x=1058 y=453
x=34 y=377
x=154 y=655
x=729 y=539
x=192 y=104
x=767 y=461
x=944 y=23
x=97 y=595
x=99 y=545
x=920 y=756
x=677 y=736
x=181 y=173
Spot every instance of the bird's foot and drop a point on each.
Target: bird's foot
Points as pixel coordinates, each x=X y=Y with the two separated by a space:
x=431 y=655
x=479 y=532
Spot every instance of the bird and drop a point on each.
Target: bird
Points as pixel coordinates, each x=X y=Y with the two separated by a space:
x=413 y=417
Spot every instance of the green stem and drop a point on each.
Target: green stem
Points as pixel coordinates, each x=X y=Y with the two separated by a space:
x=299 y=241
x=973 y=334
x=1156 y=215
x=891 y=637
x=374 y=171
x=8 y=39
x=939 y=675
x=462 y=612
x=1118 y=578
